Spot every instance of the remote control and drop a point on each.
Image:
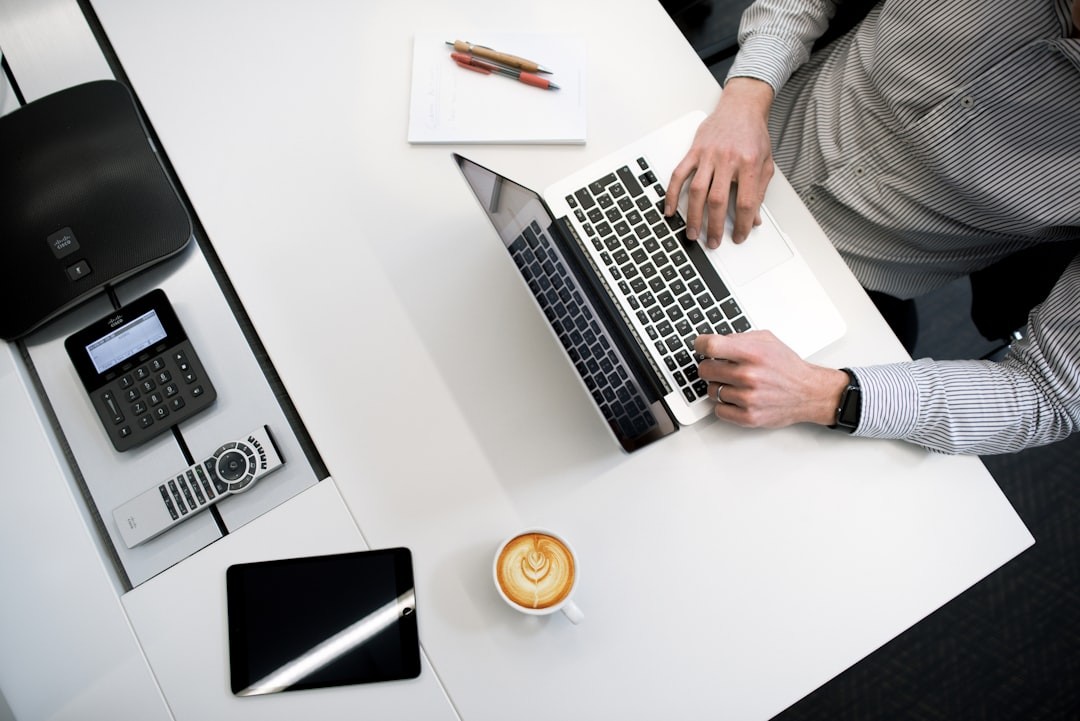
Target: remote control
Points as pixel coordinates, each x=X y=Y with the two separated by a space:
x=233 y=468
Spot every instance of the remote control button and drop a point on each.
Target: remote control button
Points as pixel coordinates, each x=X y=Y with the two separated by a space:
x=205 y=483
x=195 y=487
x=212 y=472
x=168 y=503
x=176 y=497
x=231 y=465
x=252 y=460
x=242 y=483
x=187 y=492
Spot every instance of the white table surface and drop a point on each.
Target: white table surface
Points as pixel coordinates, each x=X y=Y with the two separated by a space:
x=725 y=573
x=67 y=651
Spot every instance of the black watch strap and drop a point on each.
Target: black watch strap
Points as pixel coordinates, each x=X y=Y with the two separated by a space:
x=849 y=410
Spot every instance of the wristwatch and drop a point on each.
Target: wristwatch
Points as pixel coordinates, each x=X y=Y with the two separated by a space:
x=850 y=408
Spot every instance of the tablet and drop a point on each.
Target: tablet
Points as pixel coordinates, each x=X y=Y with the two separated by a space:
x=321 y=621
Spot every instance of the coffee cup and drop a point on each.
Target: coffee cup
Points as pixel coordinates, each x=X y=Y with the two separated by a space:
x=536 y=572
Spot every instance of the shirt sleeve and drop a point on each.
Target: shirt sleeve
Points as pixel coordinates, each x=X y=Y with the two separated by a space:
x=1030 y=398
x=775 y=37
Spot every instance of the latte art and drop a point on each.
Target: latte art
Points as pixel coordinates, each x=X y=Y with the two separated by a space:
x=535 y=570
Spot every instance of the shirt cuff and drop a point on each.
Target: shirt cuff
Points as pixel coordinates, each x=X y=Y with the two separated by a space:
x=890 y=401
x=768 y=58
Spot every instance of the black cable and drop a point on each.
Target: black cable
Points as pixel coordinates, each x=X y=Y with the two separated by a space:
x=190 y=460
x=292 y=416
x=11 y=80
x=113 y=298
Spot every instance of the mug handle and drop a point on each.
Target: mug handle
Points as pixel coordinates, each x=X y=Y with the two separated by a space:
x=572 y=612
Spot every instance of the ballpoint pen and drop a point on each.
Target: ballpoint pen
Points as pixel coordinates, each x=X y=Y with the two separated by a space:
x=511 y=61
x=470 y=63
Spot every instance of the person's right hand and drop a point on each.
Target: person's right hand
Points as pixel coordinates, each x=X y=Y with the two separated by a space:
x=759 y=382
x=731 y=147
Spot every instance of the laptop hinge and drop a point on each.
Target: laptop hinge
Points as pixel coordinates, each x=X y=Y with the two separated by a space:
x=603 y=294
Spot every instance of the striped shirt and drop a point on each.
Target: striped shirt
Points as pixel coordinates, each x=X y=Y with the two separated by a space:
x=929 y=142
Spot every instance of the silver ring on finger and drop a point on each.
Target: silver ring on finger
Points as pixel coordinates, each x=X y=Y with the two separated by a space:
x=720 y=400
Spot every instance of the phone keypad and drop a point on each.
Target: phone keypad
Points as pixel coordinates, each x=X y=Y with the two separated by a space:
x=153 y=393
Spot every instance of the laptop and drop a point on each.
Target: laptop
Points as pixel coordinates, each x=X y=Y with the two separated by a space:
x=626 y=293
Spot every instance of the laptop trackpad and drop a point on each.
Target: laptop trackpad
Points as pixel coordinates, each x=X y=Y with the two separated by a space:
x=765 y=249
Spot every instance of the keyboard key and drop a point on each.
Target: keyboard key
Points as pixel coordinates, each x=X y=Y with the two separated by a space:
x=731 y=308
x=629 y=181
x=585 y=199
x=598 y=186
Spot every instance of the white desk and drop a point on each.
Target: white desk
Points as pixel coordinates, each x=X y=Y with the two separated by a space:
x=726 y=573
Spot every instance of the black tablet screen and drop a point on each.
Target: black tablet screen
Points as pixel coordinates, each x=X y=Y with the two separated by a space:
x=322 y=621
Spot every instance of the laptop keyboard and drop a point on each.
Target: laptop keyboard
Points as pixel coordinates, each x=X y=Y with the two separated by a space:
x=582 y=335
x=666 y=280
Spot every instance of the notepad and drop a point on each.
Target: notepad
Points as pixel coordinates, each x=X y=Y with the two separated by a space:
x=452 y=105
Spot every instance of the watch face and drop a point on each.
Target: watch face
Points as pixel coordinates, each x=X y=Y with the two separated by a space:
x=850 y=408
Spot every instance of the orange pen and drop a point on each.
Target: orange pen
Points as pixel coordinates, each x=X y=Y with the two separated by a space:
x=470 y=63
x=505 y=59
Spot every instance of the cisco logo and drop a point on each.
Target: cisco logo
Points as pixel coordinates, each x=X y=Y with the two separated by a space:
x=63 y=242
x=115 y=321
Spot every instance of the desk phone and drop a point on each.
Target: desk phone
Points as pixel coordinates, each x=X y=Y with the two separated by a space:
x=140 y=370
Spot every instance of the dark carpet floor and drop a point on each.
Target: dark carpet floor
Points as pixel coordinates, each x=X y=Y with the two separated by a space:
x=1008 y=649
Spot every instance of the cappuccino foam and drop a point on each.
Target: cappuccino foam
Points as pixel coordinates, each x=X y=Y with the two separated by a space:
x=535 y=570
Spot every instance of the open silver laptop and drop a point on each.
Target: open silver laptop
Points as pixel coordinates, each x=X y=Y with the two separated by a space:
x=626 y=293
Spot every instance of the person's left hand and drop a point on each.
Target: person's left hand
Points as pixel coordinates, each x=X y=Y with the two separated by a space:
x=730 y=150
x=760 y=382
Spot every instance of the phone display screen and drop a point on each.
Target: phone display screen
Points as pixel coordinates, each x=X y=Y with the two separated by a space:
x=127 y=341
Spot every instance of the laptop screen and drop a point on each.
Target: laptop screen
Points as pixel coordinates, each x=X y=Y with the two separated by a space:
x=578 y=311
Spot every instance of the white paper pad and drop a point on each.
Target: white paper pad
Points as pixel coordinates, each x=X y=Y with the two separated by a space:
x=450 y=104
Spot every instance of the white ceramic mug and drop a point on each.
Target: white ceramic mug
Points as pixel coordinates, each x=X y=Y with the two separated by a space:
x=536 y=572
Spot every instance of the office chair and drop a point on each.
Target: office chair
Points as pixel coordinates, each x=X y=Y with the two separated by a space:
x=690 y=15
x=1004 y=293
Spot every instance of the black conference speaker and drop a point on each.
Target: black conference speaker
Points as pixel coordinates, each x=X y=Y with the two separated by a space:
x=86 y=203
